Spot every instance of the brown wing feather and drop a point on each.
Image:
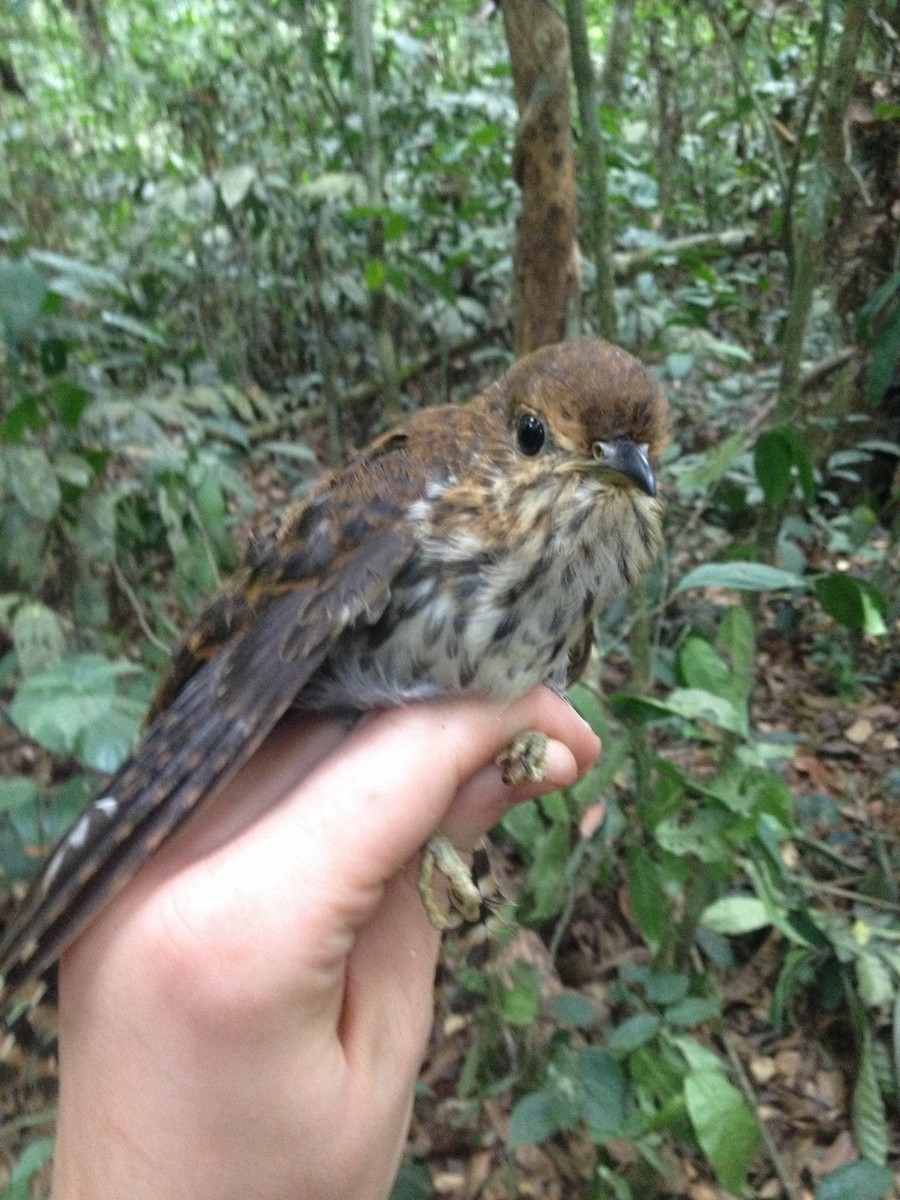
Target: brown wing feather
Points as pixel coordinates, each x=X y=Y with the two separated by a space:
x=212 y=724
x=240 y=666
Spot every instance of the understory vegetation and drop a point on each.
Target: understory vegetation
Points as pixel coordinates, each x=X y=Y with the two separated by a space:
x=213 y=283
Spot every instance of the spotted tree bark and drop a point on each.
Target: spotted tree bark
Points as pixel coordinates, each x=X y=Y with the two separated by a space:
x=544 y=168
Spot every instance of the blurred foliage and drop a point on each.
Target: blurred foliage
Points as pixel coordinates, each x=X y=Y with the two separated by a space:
x=185 y=280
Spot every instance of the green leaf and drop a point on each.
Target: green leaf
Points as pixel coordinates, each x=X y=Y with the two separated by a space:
x=547 y=881
x=69 y=400
x=395 y=225
x=19 y=828
x=486 y=135
x=884 y=357
x=701 y=667
x=695 y=704
x=875 y=981
x=520 y=1005
x=855 y=1181
x=879 y=446
x=693 y=1010
x=777 y=454
x=32 y=480
x=697 y=1056
x=740 y=577
x=20 y=418
x=602 y=1093
x=32 y=1158
x=22 y=291
x=869 y=1119
x=235 y=183
x=735 y=637
x=521 y=1002
x=723 y=1124
x=95 y=533
x=524 y=824
x=54 y=353
x=714 y=463
x=646 y=895
x=333 y=185
x=804 y=464
x=533 y=1119
x=107 y=741
x=734 y=915
x=665 y=987
x=74 y=708
x=16 y=791
x=631 y=1033
x=413 y=1182
x=571 y=1008
x=73 y=469
x=772 y=462
x=9 y=602
x=100 y=278
x=138 y=329
x=374 y=274
x=211 y=503
x=22 y=545
x=585 y=702
x=702 y=835
x=296 y=450
x=852 y=602
x=90 y=603
x=638 y=708
x=38 y=637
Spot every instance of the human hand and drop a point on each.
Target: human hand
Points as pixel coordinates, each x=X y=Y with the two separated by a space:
x=248 y=1017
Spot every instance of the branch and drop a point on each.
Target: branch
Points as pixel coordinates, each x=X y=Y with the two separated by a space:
x=744 y=239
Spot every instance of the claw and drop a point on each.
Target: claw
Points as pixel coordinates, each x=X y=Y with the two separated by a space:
x=465 y=898
x=524 y=759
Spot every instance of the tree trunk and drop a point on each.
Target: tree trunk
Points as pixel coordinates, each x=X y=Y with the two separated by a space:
x=596 y=208
x=618 y=41
x=809 y=228
x=544 y=168
x=668 y=126
x=364 y=75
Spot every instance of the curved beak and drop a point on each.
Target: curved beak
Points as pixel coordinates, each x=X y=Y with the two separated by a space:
x=623 y=457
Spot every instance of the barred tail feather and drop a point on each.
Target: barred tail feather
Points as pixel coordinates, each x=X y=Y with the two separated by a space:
x=209 y=729
x=142 y=806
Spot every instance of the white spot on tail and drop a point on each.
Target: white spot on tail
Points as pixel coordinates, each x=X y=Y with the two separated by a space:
x=75 y=839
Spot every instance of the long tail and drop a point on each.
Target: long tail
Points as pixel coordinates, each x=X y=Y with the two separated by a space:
x=185 y=756
x=209 y=729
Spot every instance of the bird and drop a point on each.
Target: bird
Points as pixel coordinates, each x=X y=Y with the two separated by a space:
x=468 y=550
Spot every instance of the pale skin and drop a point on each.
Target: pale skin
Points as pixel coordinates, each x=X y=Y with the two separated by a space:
x=248 y=1018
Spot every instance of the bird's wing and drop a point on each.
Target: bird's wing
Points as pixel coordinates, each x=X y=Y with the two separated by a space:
x=278 y=628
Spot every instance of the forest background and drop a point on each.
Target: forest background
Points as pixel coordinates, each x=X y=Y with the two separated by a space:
x=237 y=239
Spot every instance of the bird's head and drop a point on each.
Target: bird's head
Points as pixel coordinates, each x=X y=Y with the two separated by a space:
x=586 y=407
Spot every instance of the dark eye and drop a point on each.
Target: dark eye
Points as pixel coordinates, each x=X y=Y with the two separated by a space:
x=530 y=434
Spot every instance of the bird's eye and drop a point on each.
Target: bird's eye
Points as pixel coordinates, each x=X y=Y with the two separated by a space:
x=530 y=433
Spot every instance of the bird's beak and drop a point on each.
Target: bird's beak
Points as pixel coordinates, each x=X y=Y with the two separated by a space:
x=622 y=457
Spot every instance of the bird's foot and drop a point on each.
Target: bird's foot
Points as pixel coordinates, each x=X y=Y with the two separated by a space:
x=523 y=760
x=464 y=893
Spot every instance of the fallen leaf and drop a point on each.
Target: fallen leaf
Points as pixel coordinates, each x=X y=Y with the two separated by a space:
x=860 y=731
x=762 y=1068
x=788 y=1063
x=591 y=819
